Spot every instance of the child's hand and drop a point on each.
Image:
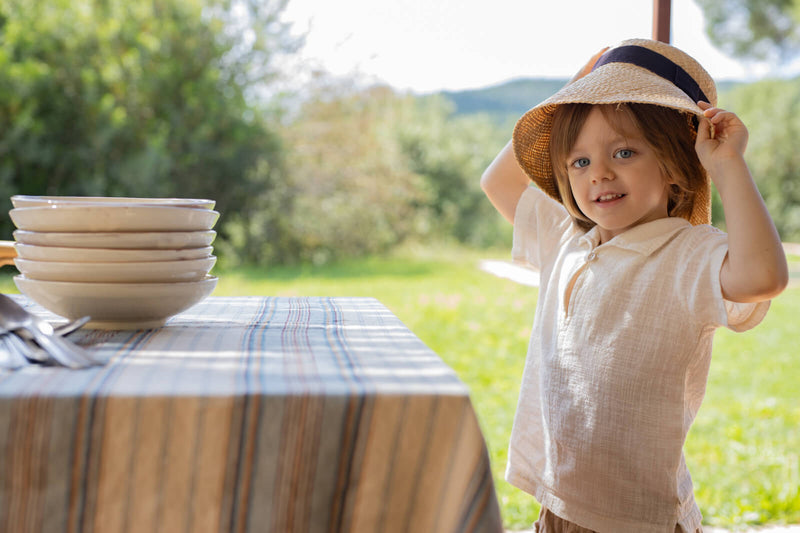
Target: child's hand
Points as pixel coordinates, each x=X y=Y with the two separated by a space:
x=721 y=138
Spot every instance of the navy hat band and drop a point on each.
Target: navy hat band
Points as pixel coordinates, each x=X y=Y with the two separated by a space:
x=657 y=64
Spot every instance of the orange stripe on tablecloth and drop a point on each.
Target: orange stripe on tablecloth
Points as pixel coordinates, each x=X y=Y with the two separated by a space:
x=309 y=462
x=349 y=463
x=427 y=513
x=473 y=477
x=231 y=461
x=412 y=443
x=245 y=467
x=87 y=439
x=288 y=500
x=477 y=518
x=149 y=483
x=144 y=483
x=75 y=504
x=87 y=448
x=133 y=463
x=29 y=438
x=300 y=428
x=381 y=443
x=209 y=466
x=115 y=470
x=174 y=503
x=351 y=470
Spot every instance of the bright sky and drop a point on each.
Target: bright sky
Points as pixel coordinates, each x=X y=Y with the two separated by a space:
x=430 y=45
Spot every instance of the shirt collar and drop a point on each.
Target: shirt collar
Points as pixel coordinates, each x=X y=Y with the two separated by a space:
x=644 y=239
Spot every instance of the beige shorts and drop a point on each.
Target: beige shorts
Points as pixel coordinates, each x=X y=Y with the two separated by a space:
x=551 y=523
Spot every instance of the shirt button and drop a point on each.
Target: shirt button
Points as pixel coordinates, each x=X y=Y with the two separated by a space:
x=592 y=256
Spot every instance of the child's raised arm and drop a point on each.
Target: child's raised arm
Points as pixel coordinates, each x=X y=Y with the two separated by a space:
x=755 y=268
x=504 y=181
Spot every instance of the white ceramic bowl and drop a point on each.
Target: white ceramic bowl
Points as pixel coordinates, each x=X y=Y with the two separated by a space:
x=139 y=272
x=21 y=200
x=129 y=240
x=107 y=255
x=117 y=305
x=72 y=218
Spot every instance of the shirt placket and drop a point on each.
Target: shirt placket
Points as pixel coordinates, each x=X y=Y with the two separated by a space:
x=575 y=279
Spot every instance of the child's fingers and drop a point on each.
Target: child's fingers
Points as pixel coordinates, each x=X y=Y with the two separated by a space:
x=705 y=132
x=714 y=114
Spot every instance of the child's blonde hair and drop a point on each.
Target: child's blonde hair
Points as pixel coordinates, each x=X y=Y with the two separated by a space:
x=670 y=133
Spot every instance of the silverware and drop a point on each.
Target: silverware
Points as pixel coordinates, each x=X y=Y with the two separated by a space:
x=13 y=351
x=13 y=318
x=65 y=329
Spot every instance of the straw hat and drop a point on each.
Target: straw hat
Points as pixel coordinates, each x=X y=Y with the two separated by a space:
x=636 y=70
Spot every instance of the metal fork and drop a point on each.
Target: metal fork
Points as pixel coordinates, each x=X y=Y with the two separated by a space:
x=14 y=350
x=13 y=318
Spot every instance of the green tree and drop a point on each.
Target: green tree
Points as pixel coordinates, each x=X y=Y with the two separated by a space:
x=451 y=152
x=352 y=189
x=370 y=167
x=771 y=110
x=156 y=98
x=754 y=29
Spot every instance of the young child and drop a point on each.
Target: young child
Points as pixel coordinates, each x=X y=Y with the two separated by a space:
x=634 y=281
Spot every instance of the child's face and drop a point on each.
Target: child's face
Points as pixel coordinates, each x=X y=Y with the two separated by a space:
x=616 y=179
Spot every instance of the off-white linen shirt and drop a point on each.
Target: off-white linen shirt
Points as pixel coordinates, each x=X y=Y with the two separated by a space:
x=617 y=366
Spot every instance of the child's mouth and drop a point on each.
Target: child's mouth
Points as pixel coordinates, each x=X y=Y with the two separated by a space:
x=609 y=197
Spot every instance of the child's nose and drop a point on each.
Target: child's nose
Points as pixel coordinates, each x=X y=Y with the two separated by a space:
x=601 y=172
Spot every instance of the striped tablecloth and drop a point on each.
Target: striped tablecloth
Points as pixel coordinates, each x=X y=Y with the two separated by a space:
x=246 y=415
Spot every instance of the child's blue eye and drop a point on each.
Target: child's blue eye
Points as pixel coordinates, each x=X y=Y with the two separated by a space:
x=581 y=162
x=624 y=154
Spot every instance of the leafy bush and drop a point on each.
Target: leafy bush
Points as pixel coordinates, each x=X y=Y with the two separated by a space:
x=139 y=99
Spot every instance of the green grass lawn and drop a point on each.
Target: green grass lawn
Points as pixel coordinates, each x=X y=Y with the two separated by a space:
x=743 y=449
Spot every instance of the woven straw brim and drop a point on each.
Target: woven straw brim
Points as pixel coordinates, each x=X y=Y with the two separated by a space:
x=611 y=83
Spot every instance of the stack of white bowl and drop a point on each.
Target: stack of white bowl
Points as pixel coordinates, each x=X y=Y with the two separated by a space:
x=129 y=263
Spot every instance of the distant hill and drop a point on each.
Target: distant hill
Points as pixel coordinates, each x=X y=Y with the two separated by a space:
x=510 y=98
x=515 y=97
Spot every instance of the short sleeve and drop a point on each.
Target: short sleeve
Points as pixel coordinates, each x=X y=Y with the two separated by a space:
x=703 y=289
x=540 y=225
x=742 y=317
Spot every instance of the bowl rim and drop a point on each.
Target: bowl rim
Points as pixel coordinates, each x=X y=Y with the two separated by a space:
x=122 y=286
x=46 y=200
x=122 y=218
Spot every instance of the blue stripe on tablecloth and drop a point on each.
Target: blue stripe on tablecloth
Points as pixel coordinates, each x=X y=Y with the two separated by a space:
x=150 y=374
x=85 y=471
x=358 y=416
x=247 y=433
x=476 y=517
x=163 y=471
x=200 y=425
x=460 y=427
x=346 y=360
x=428 y=432
x=393 y=453
x=300 y=493
x=480 y=494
